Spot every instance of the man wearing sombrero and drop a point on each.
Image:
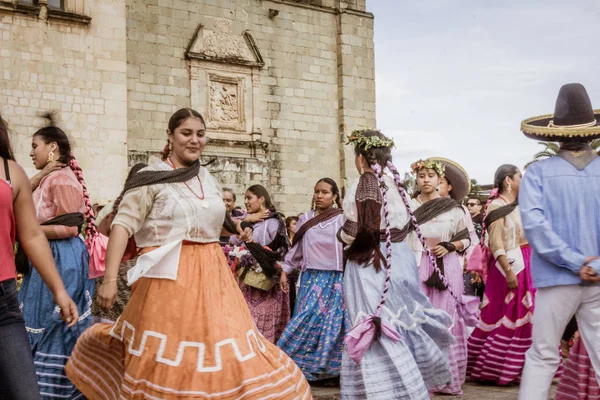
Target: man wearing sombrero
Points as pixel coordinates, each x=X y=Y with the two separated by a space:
x=560 y=208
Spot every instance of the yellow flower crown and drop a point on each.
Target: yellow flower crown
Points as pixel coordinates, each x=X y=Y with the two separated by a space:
x=438 y=167
x=358 y=138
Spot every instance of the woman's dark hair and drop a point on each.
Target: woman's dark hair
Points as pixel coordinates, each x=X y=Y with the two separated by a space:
x=5 y=147
x=175 y=122
x=334 y=189
x=260 y=191
x=52 y=133
x=289 y=220
x=375 y=155
x=501 y=173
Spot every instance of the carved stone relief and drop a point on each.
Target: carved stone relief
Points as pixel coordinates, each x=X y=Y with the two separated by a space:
x=225 y=80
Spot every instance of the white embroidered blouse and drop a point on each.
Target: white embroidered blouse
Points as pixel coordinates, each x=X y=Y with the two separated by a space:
x=440 y=229
x=165 y=213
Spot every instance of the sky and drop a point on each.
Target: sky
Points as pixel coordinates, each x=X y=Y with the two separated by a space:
x=455 y=78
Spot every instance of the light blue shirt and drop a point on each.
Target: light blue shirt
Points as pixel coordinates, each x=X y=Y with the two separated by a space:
x=560 y=209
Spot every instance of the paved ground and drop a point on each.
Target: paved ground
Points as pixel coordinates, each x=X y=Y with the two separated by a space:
x=472 y=392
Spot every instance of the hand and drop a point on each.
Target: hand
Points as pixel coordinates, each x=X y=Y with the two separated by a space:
x=107 y=293
x=246 y=235
x=283 y=283
x=259 y=216
x=440 y=251
x=51 y=167
x=68 y=309
x=511 y=280
x=589 y=274
x=476 y=278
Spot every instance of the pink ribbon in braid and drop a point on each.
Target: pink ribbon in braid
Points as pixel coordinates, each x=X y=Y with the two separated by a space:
x=360 y=338
x=467 y=306
x=95 y=242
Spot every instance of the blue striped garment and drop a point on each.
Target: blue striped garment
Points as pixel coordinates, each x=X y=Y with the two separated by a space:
x=560 y=208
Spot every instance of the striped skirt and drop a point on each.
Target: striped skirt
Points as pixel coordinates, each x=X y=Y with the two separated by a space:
x=396 y=370
x=314 y=338
x=50 y=338
x=578 y=380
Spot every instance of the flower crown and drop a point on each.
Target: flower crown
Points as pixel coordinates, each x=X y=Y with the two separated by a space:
x=438 y=167
x=358 y=138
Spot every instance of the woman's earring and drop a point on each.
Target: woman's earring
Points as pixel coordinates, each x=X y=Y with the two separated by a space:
x=509 y=189
x=51 y=156
x=170 y=146
x=362 y=170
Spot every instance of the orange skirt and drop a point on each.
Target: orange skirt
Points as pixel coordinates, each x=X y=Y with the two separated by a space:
x=192 y=338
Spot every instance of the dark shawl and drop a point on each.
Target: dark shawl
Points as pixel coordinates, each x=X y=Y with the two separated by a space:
x=314 y=221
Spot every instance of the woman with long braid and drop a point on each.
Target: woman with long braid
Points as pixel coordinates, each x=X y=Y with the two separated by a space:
x=443 y=222
x=508 y=304
x=62 y=205
x=396 y=348
x=314 y=338
x=186 y=332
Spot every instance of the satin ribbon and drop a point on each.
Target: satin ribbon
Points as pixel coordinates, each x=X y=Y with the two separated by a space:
x=360 y=338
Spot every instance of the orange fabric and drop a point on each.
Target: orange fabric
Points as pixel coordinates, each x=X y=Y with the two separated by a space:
x=223 y=356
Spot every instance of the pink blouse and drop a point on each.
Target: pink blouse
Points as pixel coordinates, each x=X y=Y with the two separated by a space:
x=57 y=194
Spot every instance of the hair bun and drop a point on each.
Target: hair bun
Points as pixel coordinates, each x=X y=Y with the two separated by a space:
x=50 y=116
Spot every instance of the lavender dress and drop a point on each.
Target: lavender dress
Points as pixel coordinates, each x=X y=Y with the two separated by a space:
x=314 y=338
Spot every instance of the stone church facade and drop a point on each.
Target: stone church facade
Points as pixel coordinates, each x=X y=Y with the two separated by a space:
x=279 y=82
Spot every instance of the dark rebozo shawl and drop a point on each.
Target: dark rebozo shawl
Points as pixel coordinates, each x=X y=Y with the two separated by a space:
x=428 y=211
x=499 y=213
x=366 y=231
x=314 y=221
x=277 y=249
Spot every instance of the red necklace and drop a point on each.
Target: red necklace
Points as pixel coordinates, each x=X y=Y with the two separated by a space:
x=205 y=202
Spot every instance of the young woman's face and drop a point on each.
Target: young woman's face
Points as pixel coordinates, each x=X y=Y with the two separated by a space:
x=40 y=152
x=253 y=203
x=188 y=141
x=515 y=182
x=427 y=180
x=292 y=227
x=323 y=196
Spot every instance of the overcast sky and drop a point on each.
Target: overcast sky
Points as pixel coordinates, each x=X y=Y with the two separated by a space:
x=456 y=77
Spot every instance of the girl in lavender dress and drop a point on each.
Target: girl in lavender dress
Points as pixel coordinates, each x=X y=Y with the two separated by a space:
x=270 y=309
x=314 y=338
x=396 y=348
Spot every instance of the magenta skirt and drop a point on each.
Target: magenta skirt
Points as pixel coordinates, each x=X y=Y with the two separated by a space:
x=578 y=380
x=498 y=345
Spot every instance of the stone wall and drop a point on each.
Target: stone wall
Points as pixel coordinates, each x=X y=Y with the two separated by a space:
x=305 y=75
x=279 y=82
x=77 y=67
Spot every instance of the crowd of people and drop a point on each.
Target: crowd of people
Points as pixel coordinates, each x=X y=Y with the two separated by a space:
x=174 y=292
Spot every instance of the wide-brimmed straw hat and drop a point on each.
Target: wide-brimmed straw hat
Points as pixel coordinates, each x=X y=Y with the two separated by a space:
x=457 y=176
x=574 y=119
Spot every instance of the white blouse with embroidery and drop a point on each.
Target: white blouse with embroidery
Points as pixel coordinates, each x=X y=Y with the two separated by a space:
x=165 y=213
x=440 y=229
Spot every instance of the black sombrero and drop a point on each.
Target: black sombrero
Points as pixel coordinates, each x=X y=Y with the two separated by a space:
x=574 y=119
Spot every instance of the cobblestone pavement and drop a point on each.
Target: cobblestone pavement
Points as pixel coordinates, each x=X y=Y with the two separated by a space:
x=472 y=391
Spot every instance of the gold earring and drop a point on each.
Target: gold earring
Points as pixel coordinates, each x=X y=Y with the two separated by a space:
x=51 y=156
x=362 y=170
x=509 y=189
x=170 y=146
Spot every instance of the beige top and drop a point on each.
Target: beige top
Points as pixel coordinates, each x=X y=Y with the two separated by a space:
x=165 y=213
x=440 y=229
x=506 y=233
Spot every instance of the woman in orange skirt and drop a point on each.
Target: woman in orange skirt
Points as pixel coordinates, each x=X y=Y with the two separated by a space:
x=186 y=332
